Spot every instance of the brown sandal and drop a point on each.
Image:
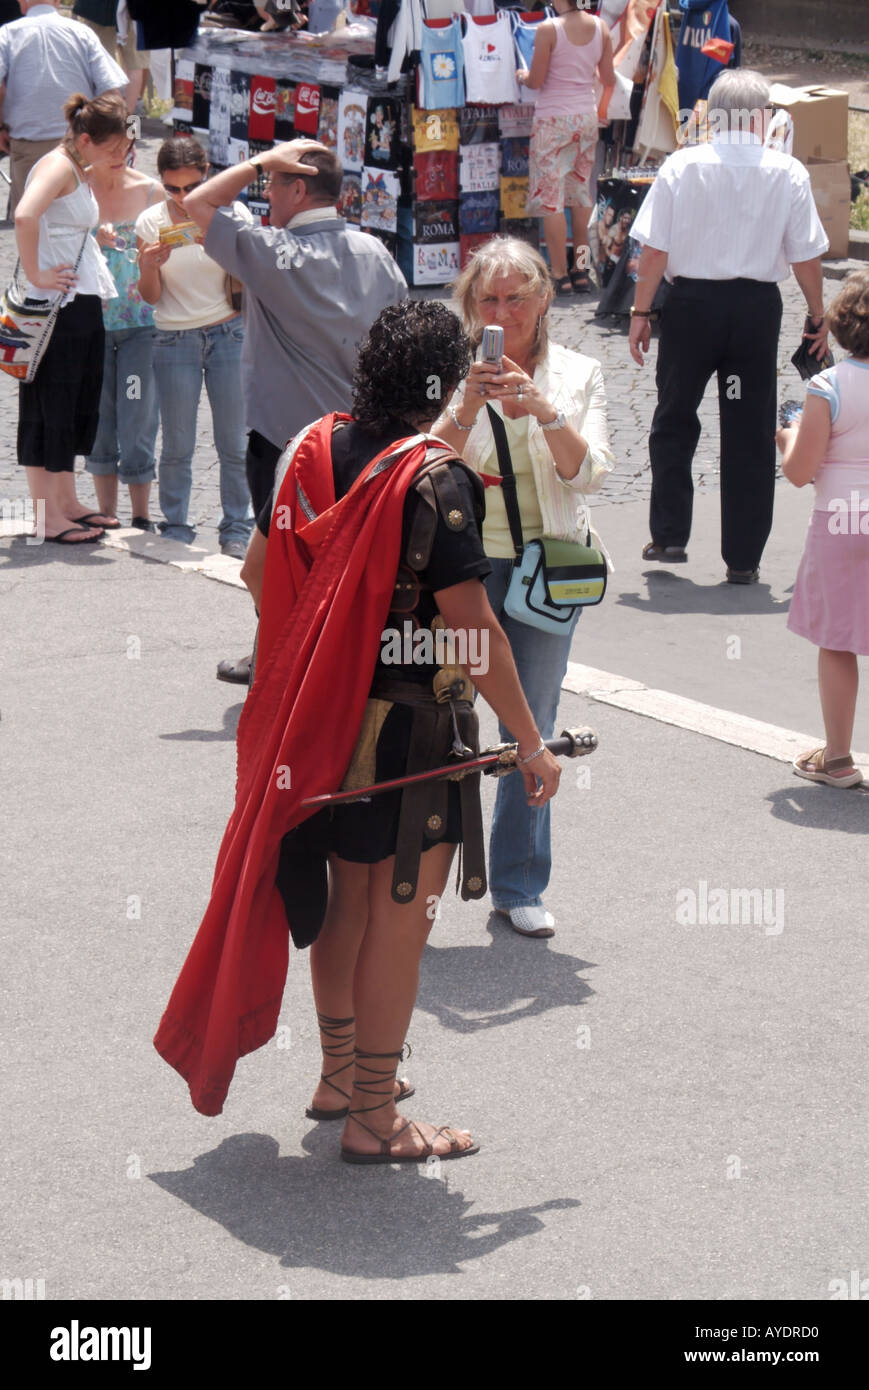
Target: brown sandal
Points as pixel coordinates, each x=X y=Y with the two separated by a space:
x=386 y=1155
x=815 y=767
x=330 y=1030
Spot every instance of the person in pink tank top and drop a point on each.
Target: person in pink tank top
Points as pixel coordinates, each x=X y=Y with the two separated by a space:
x=569 y=52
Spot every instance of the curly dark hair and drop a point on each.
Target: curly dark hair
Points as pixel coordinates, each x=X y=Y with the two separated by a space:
x=409 y=365
x=848 y=315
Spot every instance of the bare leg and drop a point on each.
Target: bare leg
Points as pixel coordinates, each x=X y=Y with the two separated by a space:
x=44 y=491
x=837 y=682
x=106 y=489
x=555 y=229
x=140 y=500
x=65 y=494
x=579 y=217
x=385 y=989
x=333 y=965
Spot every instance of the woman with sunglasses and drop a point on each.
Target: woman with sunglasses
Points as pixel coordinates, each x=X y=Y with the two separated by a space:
x=58 y=410
x=197 y=335
x=129 y=414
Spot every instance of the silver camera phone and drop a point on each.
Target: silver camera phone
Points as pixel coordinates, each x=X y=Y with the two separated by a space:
x=492 y=344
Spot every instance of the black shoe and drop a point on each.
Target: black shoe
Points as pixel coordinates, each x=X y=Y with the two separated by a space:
x=742 y=576
x=143 y=523
x=236 y=672
x=668 y=554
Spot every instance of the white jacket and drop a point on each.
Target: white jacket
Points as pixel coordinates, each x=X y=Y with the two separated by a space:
x=574 y=384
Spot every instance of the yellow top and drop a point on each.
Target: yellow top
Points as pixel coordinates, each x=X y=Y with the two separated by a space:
x=496 y=528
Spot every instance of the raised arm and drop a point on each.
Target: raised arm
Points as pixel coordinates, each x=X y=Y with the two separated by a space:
x=544 y=42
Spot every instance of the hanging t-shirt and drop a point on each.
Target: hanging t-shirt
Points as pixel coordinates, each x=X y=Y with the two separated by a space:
x=515 y=120
x=490 y=62
x=468 y=243
x=327 y=121
x=480 y=168
x=436 y=221
x=435 y=130
x=478 y=125
x=436 y=174
x=352 y=110
x=514 y=157
x=218 y=117
x=700 y=23
x=380 y=190
x=514 y=196
x=382 y=142
x=524 y=34
x=262 y=109
x=239 y=105
x=285 y=109
x=441 y=65
x=478 y=213
x=306 y=113
x=201 y=95
x=350 y=199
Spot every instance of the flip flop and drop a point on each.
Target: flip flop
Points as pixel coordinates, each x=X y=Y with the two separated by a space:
x=88 y=520
x=73 y=530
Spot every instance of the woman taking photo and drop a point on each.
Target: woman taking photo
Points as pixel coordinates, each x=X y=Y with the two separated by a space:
x=359 y=544
x=553 y=406
x=58 y=412
x=569 y=51
x=198 y=336
x=129 y=414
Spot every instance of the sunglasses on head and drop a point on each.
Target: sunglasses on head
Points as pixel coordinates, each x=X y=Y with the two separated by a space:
x=183 y=188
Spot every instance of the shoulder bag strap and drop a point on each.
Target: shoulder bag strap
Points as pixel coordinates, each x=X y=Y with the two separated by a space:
x=508 y=480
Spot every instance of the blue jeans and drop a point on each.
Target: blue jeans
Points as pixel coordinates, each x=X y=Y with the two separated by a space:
x=520 y=855
x=181 y=360
x=129 y=414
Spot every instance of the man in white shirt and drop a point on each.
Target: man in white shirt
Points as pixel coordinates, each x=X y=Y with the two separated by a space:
x=44 y=58
x=724 y=222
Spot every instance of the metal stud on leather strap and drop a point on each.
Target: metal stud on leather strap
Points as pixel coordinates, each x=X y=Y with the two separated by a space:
x=434 y=823
x=456 y=518
x=475 y=884
x=404 y=889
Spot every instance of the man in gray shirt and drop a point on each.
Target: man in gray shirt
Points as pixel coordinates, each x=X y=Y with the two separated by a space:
x=313 y=288
x=44 y=58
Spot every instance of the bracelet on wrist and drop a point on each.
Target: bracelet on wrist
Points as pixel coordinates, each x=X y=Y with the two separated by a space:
x=465 y=429
x=531 y=756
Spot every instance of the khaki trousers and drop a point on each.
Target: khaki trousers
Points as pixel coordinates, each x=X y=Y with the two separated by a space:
x=23 y=154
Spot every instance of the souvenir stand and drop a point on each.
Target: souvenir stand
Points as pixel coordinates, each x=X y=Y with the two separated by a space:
x=435 y=157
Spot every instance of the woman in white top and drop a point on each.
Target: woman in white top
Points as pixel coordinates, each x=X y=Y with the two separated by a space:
x=58 y=412
x=553 y=405
x=198 y=335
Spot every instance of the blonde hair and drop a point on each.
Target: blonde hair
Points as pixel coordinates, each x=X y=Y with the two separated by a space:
x=501 y=256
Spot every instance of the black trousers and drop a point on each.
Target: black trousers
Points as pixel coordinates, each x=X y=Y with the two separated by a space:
x=260 y=464
x=731 y=328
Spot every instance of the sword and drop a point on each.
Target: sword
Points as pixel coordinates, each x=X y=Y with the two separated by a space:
x=497 y=761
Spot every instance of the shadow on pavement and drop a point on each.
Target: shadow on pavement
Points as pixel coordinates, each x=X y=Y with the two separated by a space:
x=317 y=1213
x=487 y=981
x=672 y=593
x=816 y=807
x=20 y=555
x=225 y=735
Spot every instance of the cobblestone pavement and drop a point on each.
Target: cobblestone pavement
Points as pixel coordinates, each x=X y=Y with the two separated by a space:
x=630 y=392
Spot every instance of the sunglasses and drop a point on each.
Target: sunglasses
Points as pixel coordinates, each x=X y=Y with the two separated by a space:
x=183 y=188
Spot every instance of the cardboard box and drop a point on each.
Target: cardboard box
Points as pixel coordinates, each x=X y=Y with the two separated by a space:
x=820 y=117
x=831 y=186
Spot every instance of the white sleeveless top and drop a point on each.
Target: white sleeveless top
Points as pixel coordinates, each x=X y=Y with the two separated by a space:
x=61 y=229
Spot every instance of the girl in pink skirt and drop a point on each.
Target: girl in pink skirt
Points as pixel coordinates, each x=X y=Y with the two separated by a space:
x=831 y=599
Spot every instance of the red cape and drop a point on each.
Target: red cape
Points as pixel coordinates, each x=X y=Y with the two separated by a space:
x=329 y=578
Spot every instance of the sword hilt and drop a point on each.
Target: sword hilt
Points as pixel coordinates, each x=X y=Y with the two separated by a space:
x=571 y=743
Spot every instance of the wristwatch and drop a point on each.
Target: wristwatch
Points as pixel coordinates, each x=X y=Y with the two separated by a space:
x=256 y=164
x=557 y=424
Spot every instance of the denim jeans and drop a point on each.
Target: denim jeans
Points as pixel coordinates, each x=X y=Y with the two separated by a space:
x=520 y=856
x=129 y=414
x=181 y=360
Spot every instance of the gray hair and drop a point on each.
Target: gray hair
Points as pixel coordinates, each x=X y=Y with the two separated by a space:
x=740 y=89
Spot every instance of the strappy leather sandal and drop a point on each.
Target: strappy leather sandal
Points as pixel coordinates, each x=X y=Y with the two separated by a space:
x=332 y=1040
x=369 y=1086
x=816 y=767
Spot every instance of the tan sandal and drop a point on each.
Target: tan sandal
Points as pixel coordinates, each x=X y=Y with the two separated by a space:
x=815 y=767
x=378 y=1078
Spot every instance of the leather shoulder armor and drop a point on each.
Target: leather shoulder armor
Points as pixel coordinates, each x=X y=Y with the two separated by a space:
x=436 y=487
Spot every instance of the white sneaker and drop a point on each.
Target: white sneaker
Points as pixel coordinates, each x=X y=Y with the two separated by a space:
x=532 y=921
